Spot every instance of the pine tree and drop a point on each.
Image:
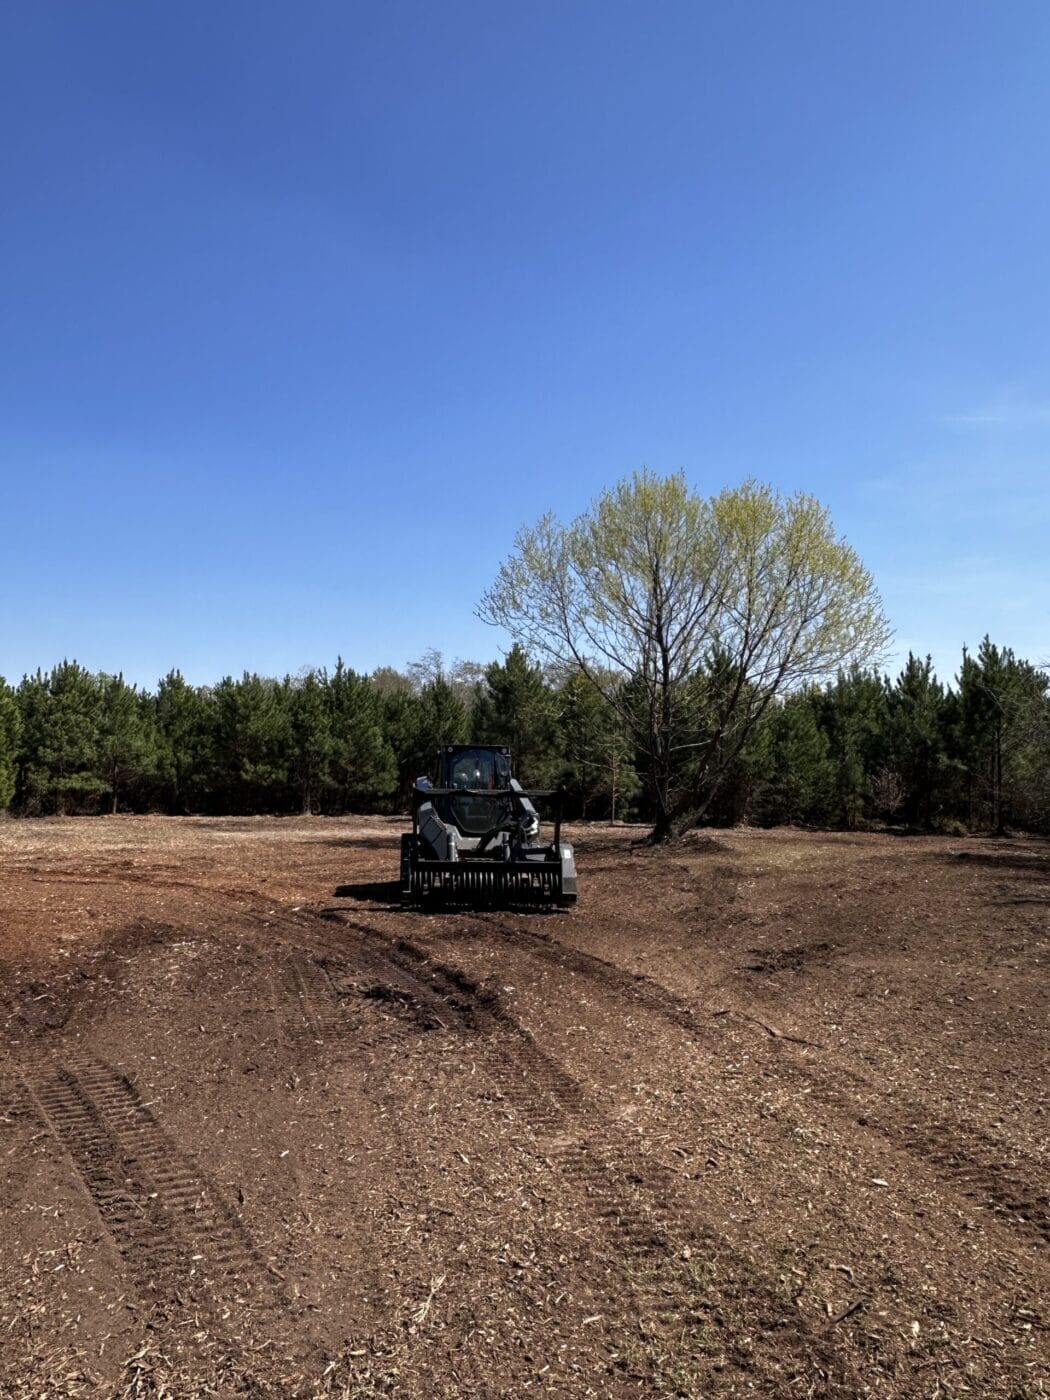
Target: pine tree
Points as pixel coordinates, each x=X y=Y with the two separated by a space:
x=399 y=718
x=597 y=767
x=853 y=715
x=794 y=773
x=514 y=707
x=916 y=739
x=419 y=724
x=364 y=768
x=1001 y=722
x=59 y=768
x=310 y=750
x=126 y=743
x=442 y=718
x=253 y=739
x=10 y=733
x=185 y=721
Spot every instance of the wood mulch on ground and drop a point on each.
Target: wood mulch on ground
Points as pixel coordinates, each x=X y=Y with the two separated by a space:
x=766 y=1114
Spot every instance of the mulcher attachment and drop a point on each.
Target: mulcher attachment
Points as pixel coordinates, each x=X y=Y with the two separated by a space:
x=475 y=839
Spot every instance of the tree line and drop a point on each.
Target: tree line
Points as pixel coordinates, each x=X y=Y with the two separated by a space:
x=860 y=749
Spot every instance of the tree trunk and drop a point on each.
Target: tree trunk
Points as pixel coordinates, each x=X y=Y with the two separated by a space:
x=664 y=826
x=997 y=782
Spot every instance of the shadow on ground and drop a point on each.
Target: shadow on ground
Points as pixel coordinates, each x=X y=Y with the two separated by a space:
x=1031 y=861
x=388 y=893
x=371 y=892
x=363 y=843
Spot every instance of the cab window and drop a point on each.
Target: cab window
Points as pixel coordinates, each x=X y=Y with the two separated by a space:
x=478 y=768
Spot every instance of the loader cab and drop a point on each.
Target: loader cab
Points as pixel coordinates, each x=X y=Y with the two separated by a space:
x=475 y=768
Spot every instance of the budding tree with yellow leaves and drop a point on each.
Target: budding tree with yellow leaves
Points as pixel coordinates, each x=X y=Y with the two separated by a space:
x=690 y=615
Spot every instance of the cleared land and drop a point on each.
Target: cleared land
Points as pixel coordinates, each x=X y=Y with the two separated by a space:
x=765 y=1115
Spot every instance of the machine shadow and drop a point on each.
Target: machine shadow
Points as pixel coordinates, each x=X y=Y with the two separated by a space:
x=371 y=892
x=388 y=893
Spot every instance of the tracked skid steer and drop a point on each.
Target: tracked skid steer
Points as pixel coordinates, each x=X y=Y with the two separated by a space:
x=475 y=836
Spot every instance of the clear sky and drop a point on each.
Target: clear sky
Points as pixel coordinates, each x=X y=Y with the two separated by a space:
x=305 y=308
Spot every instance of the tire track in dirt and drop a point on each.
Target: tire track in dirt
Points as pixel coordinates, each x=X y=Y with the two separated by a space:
x=305 y=1001
x=971 y=1164
x=315 y=989
x=983 y=1177
x=966 y=1160
x=649 y=1224
x=974 y=1166
x=645 y=991
x=180 y=1241
x=312 y=996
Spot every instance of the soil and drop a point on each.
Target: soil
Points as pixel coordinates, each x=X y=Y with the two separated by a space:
x=766 y=1114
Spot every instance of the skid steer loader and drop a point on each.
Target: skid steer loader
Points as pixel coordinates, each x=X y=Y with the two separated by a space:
x=475 y=836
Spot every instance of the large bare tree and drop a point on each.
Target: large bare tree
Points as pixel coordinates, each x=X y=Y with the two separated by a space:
x=690 y=614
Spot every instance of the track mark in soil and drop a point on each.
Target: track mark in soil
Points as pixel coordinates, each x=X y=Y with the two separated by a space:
x=403 y=978
x=643 y=991
x=307 y=1000
x=649 y=1224
x=34 y=1009
x=977 y=1169
x=19 y=1119
x=171 y=1227
x=974 y=1166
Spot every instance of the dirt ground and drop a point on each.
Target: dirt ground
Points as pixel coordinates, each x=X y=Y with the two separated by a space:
x=765 y=1114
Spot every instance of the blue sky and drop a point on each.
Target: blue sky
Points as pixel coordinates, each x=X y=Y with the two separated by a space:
x=287 y=292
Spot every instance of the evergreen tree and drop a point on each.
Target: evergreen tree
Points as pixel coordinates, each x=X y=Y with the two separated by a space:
x=364 y=768
x=514 y=707
x=59 y=767
x=310 y=735
x=442 y=719
x=10 y=733
x=916 y=739
x=859 y=749
x=185 y=723
x=399 y=710
x=597 y=767
x=418 y=725
x=795 y=776
x=31 y=779
x=253 y=740
x=853 y=716
x=1001 y=712
x=126 y=743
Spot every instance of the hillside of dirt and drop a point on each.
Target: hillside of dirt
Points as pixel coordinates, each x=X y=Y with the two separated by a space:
x=766 y=1114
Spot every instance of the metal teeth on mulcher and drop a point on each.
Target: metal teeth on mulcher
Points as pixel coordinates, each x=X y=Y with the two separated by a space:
x=476 y=883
